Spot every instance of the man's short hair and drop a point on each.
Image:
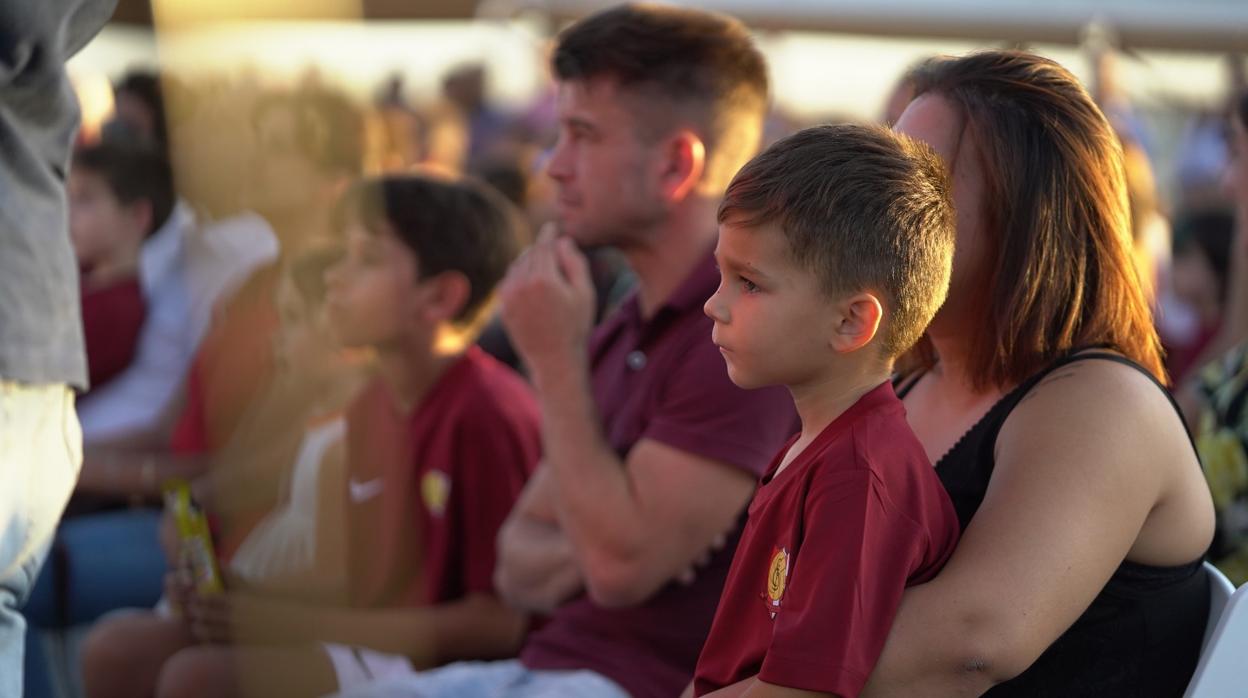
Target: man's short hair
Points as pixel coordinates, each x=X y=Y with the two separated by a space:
x=449 y=224
x=681 y=62
x=863 y=209
x=132 y=173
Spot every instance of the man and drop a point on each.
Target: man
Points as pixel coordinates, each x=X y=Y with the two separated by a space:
x=41 y=346
x=649 y=452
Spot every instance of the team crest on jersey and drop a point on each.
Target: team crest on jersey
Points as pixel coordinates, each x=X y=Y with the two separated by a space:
x=777 y=579
x=435 y=489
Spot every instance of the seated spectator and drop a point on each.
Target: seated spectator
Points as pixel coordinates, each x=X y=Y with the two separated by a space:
x=1199 y=280
x=834 y=252
x=1215 y=397
x=118 y=197
x=309 y=146
x=1038 y=392
x=439 y=444
x=649 y=452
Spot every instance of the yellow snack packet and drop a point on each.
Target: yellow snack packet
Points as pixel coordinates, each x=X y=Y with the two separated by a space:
x=195 y=537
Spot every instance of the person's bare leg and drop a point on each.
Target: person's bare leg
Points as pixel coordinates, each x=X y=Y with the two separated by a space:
x=216 y=671
x=123 y=654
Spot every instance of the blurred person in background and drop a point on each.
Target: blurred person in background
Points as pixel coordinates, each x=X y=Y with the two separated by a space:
x=41 y=341
x=288 y=460
x=308 y=147
x=1215 y=397
x=139 y=112
x=118 y=197
x=1199 y=280
x=205 y=250
x=464 y=87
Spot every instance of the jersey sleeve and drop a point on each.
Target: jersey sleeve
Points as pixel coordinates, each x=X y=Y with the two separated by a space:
x=844 y=587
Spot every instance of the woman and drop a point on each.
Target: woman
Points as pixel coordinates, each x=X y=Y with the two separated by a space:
x=1038 y=395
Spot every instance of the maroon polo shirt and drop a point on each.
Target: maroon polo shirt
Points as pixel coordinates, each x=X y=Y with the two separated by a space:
x=661 y=378
x=831 y=543
x=428 y=491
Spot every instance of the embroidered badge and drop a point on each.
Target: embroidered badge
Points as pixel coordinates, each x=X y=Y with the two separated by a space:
x=435 y=489
x=777 y=578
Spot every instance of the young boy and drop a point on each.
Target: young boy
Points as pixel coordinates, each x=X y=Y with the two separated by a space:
x=835 y=247
x=438 y=446
x=118 y=196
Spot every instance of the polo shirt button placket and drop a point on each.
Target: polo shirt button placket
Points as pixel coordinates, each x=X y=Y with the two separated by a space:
x=636 y=360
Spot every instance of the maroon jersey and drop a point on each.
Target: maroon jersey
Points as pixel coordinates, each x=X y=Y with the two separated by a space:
x=831 y=543
x=112 y=318
x=428 y=491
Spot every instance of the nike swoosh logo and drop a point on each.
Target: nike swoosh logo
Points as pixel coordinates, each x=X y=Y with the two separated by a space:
x=364 y=491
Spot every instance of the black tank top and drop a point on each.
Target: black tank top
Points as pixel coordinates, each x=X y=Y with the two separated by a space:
x=1141 y=636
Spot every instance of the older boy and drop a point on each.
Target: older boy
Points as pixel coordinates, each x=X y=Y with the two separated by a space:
x=834 y=251
x=439 y=445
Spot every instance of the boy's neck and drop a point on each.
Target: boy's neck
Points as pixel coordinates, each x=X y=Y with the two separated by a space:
x=122 y=264
x=411 y=371
x=822 y=400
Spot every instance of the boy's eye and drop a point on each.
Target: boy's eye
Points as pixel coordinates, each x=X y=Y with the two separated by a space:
x=748 y=286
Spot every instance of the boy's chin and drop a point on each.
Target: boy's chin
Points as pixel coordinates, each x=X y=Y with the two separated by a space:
x=743 y=379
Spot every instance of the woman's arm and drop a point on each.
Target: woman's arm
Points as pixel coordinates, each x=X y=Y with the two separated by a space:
x=1080 y=464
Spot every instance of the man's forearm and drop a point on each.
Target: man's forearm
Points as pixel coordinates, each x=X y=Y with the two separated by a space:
x=536 y=569
x=595 y=503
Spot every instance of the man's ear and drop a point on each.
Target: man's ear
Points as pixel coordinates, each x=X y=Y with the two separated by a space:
x=683 y=160
x=857 y=322
x=446 y=294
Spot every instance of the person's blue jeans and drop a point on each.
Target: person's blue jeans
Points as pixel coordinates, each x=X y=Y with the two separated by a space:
x=99 y=563
x=40 y=453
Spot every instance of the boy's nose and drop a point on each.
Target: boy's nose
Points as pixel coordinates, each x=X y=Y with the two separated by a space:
x=714 y=308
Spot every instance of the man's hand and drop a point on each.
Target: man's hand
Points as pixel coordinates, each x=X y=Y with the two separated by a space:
x=548 y=304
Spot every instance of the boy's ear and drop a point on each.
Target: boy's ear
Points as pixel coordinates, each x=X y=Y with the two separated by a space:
x=446 y=295
x=682 y=165
x=858 y=321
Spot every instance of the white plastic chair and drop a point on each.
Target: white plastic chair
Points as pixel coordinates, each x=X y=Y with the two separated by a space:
x=1220 y=672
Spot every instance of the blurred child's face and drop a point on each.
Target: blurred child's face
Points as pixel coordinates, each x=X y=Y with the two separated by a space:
x=772 y=322
x=1195 y=283
x=98 y=223
x=372 y=298
x=304 y=341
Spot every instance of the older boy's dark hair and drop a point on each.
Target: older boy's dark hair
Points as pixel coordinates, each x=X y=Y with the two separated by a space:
x=450 y=224
x=132 y=173
x=863 y=209
x=682 y=63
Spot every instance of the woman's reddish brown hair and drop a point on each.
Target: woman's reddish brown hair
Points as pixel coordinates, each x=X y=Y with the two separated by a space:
x=1059 y=272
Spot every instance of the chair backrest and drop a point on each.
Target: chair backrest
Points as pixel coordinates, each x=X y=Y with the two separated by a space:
x=1221 y=671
